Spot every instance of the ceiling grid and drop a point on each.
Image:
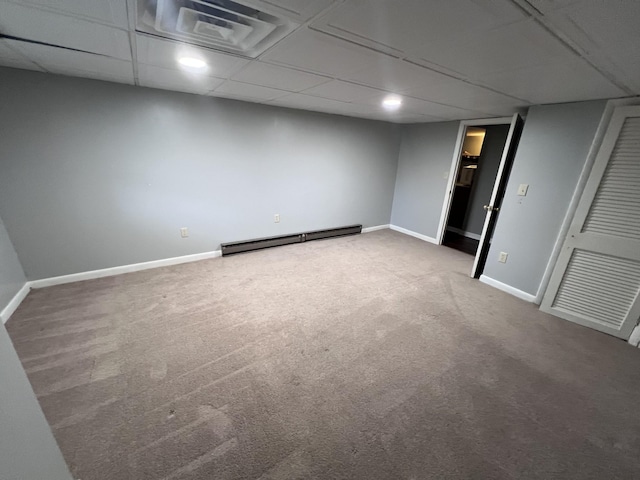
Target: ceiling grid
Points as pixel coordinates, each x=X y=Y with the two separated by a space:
x=459 y=59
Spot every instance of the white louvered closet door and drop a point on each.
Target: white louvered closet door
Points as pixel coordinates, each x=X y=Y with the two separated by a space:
x=596 y=281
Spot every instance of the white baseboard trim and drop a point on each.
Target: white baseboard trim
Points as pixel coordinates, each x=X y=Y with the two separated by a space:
x=373 y=229
x=464 y=233
x=413 y=234
x=508 y=288
x=135 y=267
x=6 y=313
x=634 y=339
x=15 y=302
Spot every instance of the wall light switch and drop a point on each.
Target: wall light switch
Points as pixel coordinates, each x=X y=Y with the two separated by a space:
x=184 y=232
x=276 y=218
x=522 y=189
x=502 y=258
x=445 y=175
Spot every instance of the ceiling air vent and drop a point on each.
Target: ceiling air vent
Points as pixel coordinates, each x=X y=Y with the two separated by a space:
x=226 y=25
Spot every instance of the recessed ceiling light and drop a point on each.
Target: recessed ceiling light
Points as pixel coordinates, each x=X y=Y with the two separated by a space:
x=392 y=102
x=192 y=62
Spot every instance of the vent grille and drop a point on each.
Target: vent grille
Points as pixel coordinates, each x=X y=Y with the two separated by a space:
x=225 y=25
x=260 y=243
x=599 y=288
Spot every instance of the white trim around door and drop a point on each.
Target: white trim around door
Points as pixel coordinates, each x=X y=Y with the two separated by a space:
x=596 y=278
x=582 y=181
x=455 y=163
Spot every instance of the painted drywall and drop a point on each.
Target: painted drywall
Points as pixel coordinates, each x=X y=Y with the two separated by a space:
x=97 y=175
x=552 y=152
x=12 y=277
x=425 y=158
x=488 y=163
x=27 y=447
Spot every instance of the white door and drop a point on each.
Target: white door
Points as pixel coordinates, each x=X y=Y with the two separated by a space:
x=596 y=280
x=492 y=209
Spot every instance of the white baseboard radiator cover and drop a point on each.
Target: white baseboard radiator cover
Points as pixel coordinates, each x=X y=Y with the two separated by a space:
x=260 y=243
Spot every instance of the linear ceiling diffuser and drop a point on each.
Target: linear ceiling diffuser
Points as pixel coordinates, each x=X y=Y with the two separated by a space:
x=224 y=25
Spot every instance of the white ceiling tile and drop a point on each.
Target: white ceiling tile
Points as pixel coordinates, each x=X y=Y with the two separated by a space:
x=113 y=12
x=413 y=110
x=360 y=109
x=343 y=91
x=297 y=10
x=12 y=58
x=178 y=80
x=519 y=45
x=468 y=97
x=395 y=75
x=413 y=118
x=246 y=91
x=320 y=53
x=396 y=116
x=267 y=75
x=607 y=32
x=318 y=104
x=404 y=26
x=627 y=68
x=52 y=28
x=299 y=100
x=80 y=64
x=165 y=53
x=412 y=105
x=106 y=77
x=402 y=116
x=596 y=25
x=556 y=83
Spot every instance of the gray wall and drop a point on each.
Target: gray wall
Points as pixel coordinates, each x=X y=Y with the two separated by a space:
x=28 y=450
x=488 y=164
x=425 y=155
x=552 y=151
x=11 y=275
x=96 y=175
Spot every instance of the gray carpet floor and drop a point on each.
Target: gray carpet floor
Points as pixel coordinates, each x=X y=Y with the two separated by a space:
x=364 y=357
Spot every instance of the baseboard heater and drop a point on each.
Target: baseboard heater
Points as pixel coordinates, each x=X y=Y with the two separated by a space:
x=260 y=243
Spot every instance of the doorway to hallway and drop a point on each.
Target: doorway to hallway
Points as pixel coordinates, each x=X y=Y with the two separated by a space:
x=479 y=173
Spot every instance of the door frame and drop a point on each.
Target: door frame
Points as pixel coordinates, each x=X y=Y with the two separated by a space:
x=605 y=120
x=455 y=163
x=615 y=120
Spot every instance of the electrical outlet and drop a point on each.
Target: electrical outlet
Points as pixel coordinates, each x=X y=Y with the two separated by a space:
x=276 y=218
x=522 y=189
x=502 y=258
x=184 y=232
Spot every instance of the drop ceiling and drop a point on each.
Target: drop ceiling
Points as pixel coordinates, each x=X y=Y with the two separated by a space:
x=448 y=60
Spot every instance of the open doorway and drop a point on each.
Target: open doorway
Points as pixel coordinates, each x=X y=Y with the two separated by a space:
x=479 y=172
x=478 y=167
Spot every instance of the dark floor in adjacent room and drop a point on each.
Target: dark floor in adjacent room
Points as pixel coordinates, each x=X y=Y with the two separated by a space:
x=366 y=357
x=460 y=242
